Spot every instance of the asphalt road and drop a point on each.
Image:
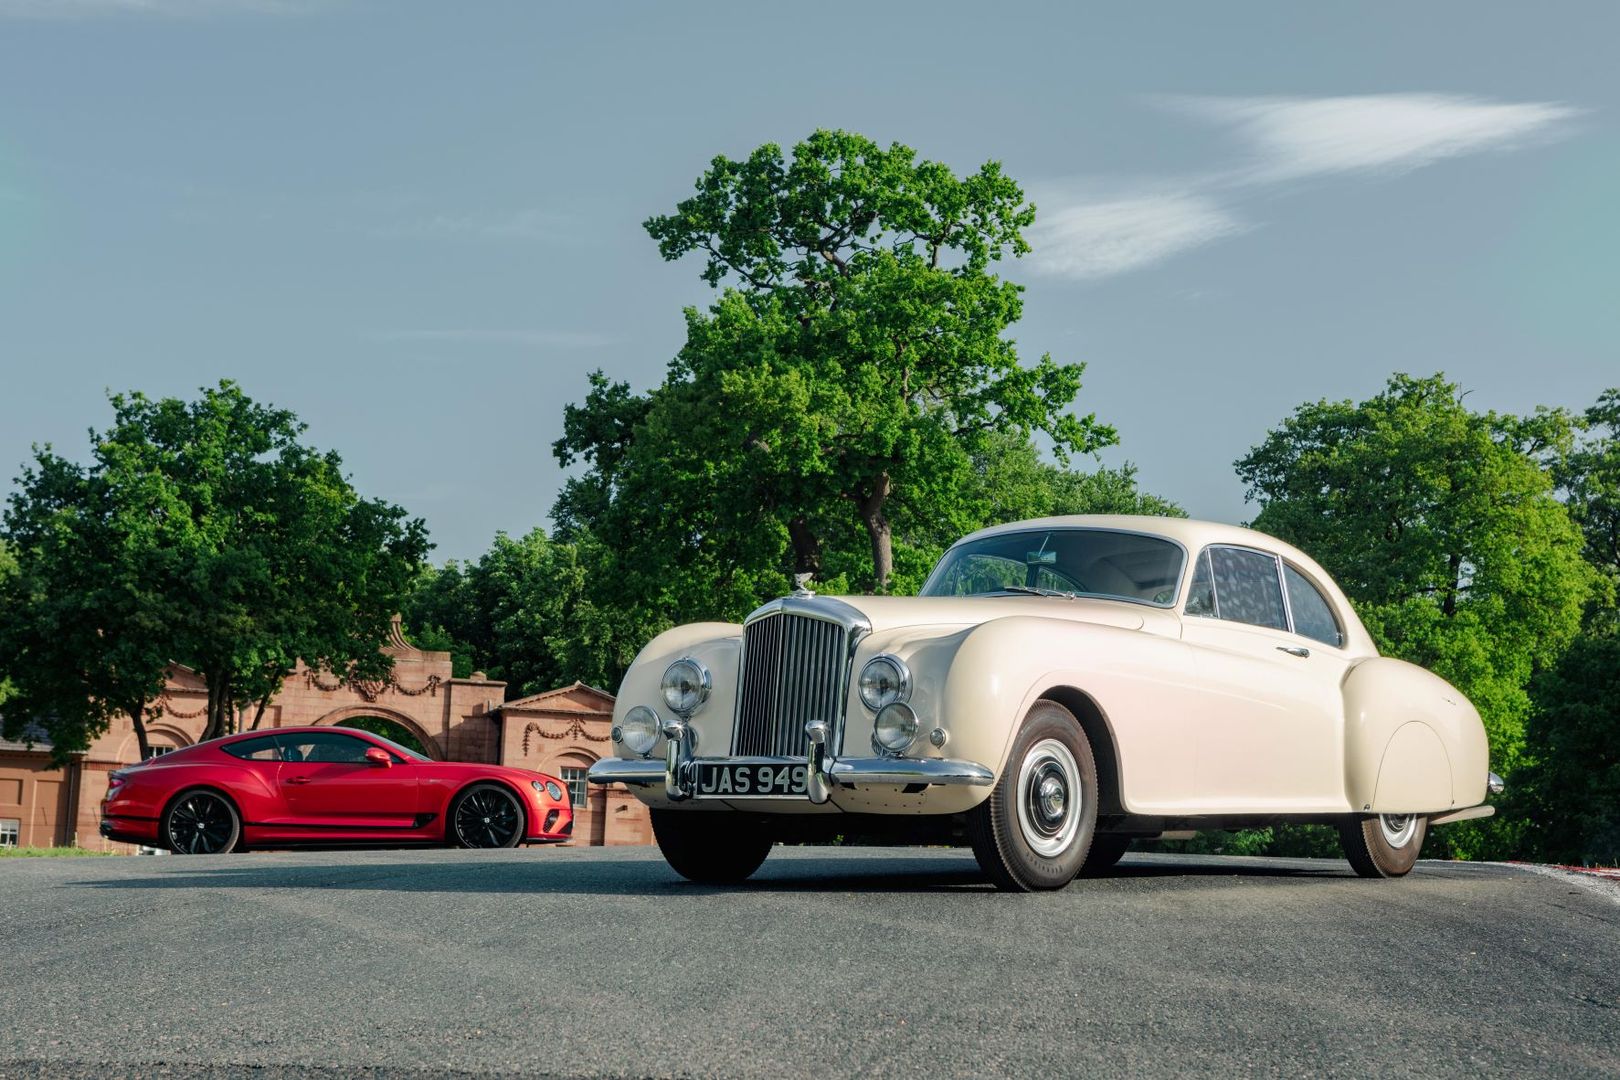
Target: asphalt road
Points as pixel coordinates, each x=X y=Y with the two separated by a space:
x=831 y=963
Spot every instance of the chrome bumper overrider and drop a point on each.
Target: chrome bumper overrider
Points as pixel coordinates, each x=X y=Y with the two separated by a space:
x=678 y=770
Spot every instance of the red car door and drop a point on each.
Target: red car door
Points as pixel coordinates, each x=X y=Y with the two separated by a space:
x=328 y=782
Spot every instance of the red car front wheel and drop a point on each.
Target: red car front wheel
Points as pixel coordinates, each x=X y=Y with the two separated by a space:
x=486 y=816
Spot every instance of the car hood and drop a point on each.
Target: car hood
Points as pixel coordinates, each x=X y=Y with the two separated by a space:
x=897 y=612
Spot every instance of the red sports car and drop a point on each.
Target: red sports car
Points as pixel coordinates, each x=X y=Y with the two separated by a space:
x=323 y=785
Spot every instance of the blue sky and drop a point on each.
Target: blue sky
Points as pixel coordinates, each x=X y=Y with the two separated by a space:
x=418 y=225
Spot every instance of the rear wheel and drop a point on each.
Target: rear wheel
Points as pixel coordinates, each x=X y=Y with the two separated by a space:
x=710 y=848
x=201 y=822
x=1384 y=845
x=485 y=816
x=1035 y=829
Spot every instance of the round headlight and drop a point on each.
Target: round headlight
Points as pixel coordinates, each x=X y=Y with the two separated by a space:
x=554 y=790
x=884 y=679
x=686 y=685
x=895 y=729
x=639 y=731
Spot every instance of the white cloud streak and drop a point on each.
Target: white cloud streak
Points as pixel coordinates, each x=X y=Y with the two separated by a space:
x=1295 y=137
x=555 y=339
x=1290 y=139
x=1091 y=240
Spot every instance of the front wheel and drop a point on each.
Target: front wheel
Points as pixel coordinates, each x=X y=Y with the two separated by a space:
x=1035 y=829
x=710 y=848
x=486 y=816
x=1384 y=845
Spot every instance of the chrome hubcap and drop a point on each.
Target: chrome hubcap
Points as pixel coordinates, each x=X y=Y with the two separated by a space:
x=1049 y=798
x=1398 y=829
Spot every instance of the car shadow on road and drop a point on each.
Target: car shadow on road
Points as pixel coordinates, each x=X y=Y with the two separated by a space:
x=639 y=875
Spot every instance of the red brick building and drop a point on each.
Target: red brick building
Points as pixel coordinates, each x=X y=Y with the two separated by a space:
x=561 y=732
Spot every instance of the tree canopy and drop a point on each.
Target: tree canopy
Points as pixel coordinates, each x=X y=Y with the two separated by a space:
x=203 y=532
x=523 y=614
x=854 y=362
x=1590 y=477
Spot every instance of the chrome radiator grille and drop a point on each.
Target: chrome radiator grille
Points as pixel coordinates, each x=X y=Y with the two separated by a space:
x=793 y=672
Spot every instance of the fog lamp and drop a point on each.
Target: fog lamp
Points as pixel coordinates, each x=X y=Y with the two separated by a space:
x=895 y=728
x=639 y=731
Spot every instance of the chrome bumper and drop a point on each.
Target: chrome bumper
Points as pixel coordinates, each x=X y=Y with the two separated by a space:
x=678 y=771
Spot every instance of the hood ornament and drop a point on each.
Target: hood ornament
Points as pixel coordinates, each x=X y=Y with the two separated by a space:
x=801 y=585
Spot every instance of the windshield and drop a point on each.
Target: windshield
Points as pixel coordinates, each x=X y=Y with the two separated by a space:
x=1069 y=562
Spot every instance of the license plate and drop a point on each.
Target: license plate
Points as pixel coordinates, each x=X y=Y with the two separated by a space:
x=731 y=780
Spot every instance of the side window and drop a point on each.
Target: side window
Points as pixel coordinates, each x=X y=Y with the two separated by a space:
x=1246 y=587
x=1313 y=615
x=322 y=746
x=261 y=749
x=1201 y=597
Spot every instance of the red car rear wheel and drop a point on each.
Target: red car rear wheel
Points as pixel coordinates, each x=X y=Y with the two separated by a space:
x=201 y=822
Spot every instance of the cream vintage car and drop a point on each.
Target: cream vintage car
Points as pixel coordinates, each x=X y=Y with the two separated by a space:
x=1060 y=687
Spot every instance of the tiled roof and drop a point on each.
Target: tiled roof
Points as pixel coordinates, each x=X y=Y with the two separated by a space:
x=34 y=738
x=534 y=700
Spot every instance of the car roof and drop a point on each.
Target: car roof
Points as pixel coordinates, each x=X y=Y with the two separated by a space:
x=1196 y=535
x=1189 y=533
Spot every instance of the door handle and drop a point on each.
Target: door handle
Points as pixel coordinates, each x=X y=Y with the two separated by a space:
x=297 y=780
x=1294 y=650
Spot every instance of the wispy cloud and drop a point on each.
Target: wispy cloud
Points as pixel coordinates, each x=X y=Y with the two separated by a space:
x=556 y=339
x=1088 y=240
x=90 y=9
x=1295 y=137
x=525 y=224
x=1087 y=237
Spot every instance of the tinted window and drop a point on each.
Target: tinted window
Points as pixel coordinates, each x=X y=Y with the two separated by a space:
x=1313 y=615
x=1087 y=562
x=323 y=746
x=1246 y=587
x=261 y=749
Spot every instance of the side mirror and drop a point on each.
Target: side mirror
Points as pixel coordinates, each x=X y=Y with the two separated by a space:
x=376 y=755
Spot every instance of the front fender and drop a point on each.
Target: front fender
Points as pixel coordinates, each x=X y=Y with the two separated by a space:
x=719 y=647
x=1138 y=680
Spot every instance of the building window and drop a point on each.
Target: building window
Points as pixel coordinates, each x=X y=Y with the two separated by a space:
x=574 y=777
x=156 y=751
x=10 y=829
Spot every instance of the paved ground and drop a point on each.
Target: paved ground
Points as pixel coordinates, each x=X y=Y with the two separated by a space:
x=830 y=964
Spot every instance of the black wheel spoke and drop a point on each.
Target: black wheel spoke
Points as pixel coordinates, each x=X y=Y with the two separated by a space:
x=486 y=818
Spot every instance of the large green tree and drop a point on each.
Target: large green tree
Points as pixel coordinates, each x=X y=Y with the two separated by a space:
x=204 y=532
x=854 y=362
x=523 y=613
x=1442 y=525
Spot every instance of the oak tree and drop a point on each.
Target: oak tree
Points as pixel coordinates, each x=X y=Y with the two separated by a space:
x=855 y=359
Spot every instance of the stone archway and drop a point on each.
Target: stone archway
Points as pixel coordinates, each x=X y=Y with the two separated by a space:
x=430 y=744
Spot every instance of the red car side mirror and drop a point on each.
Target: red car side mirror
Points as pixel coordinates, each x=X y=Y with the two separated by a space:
x=380 y=757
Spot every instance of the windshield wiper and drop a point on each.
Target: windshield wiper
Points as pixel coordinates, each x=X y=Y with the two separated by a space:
x=1035 y=592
